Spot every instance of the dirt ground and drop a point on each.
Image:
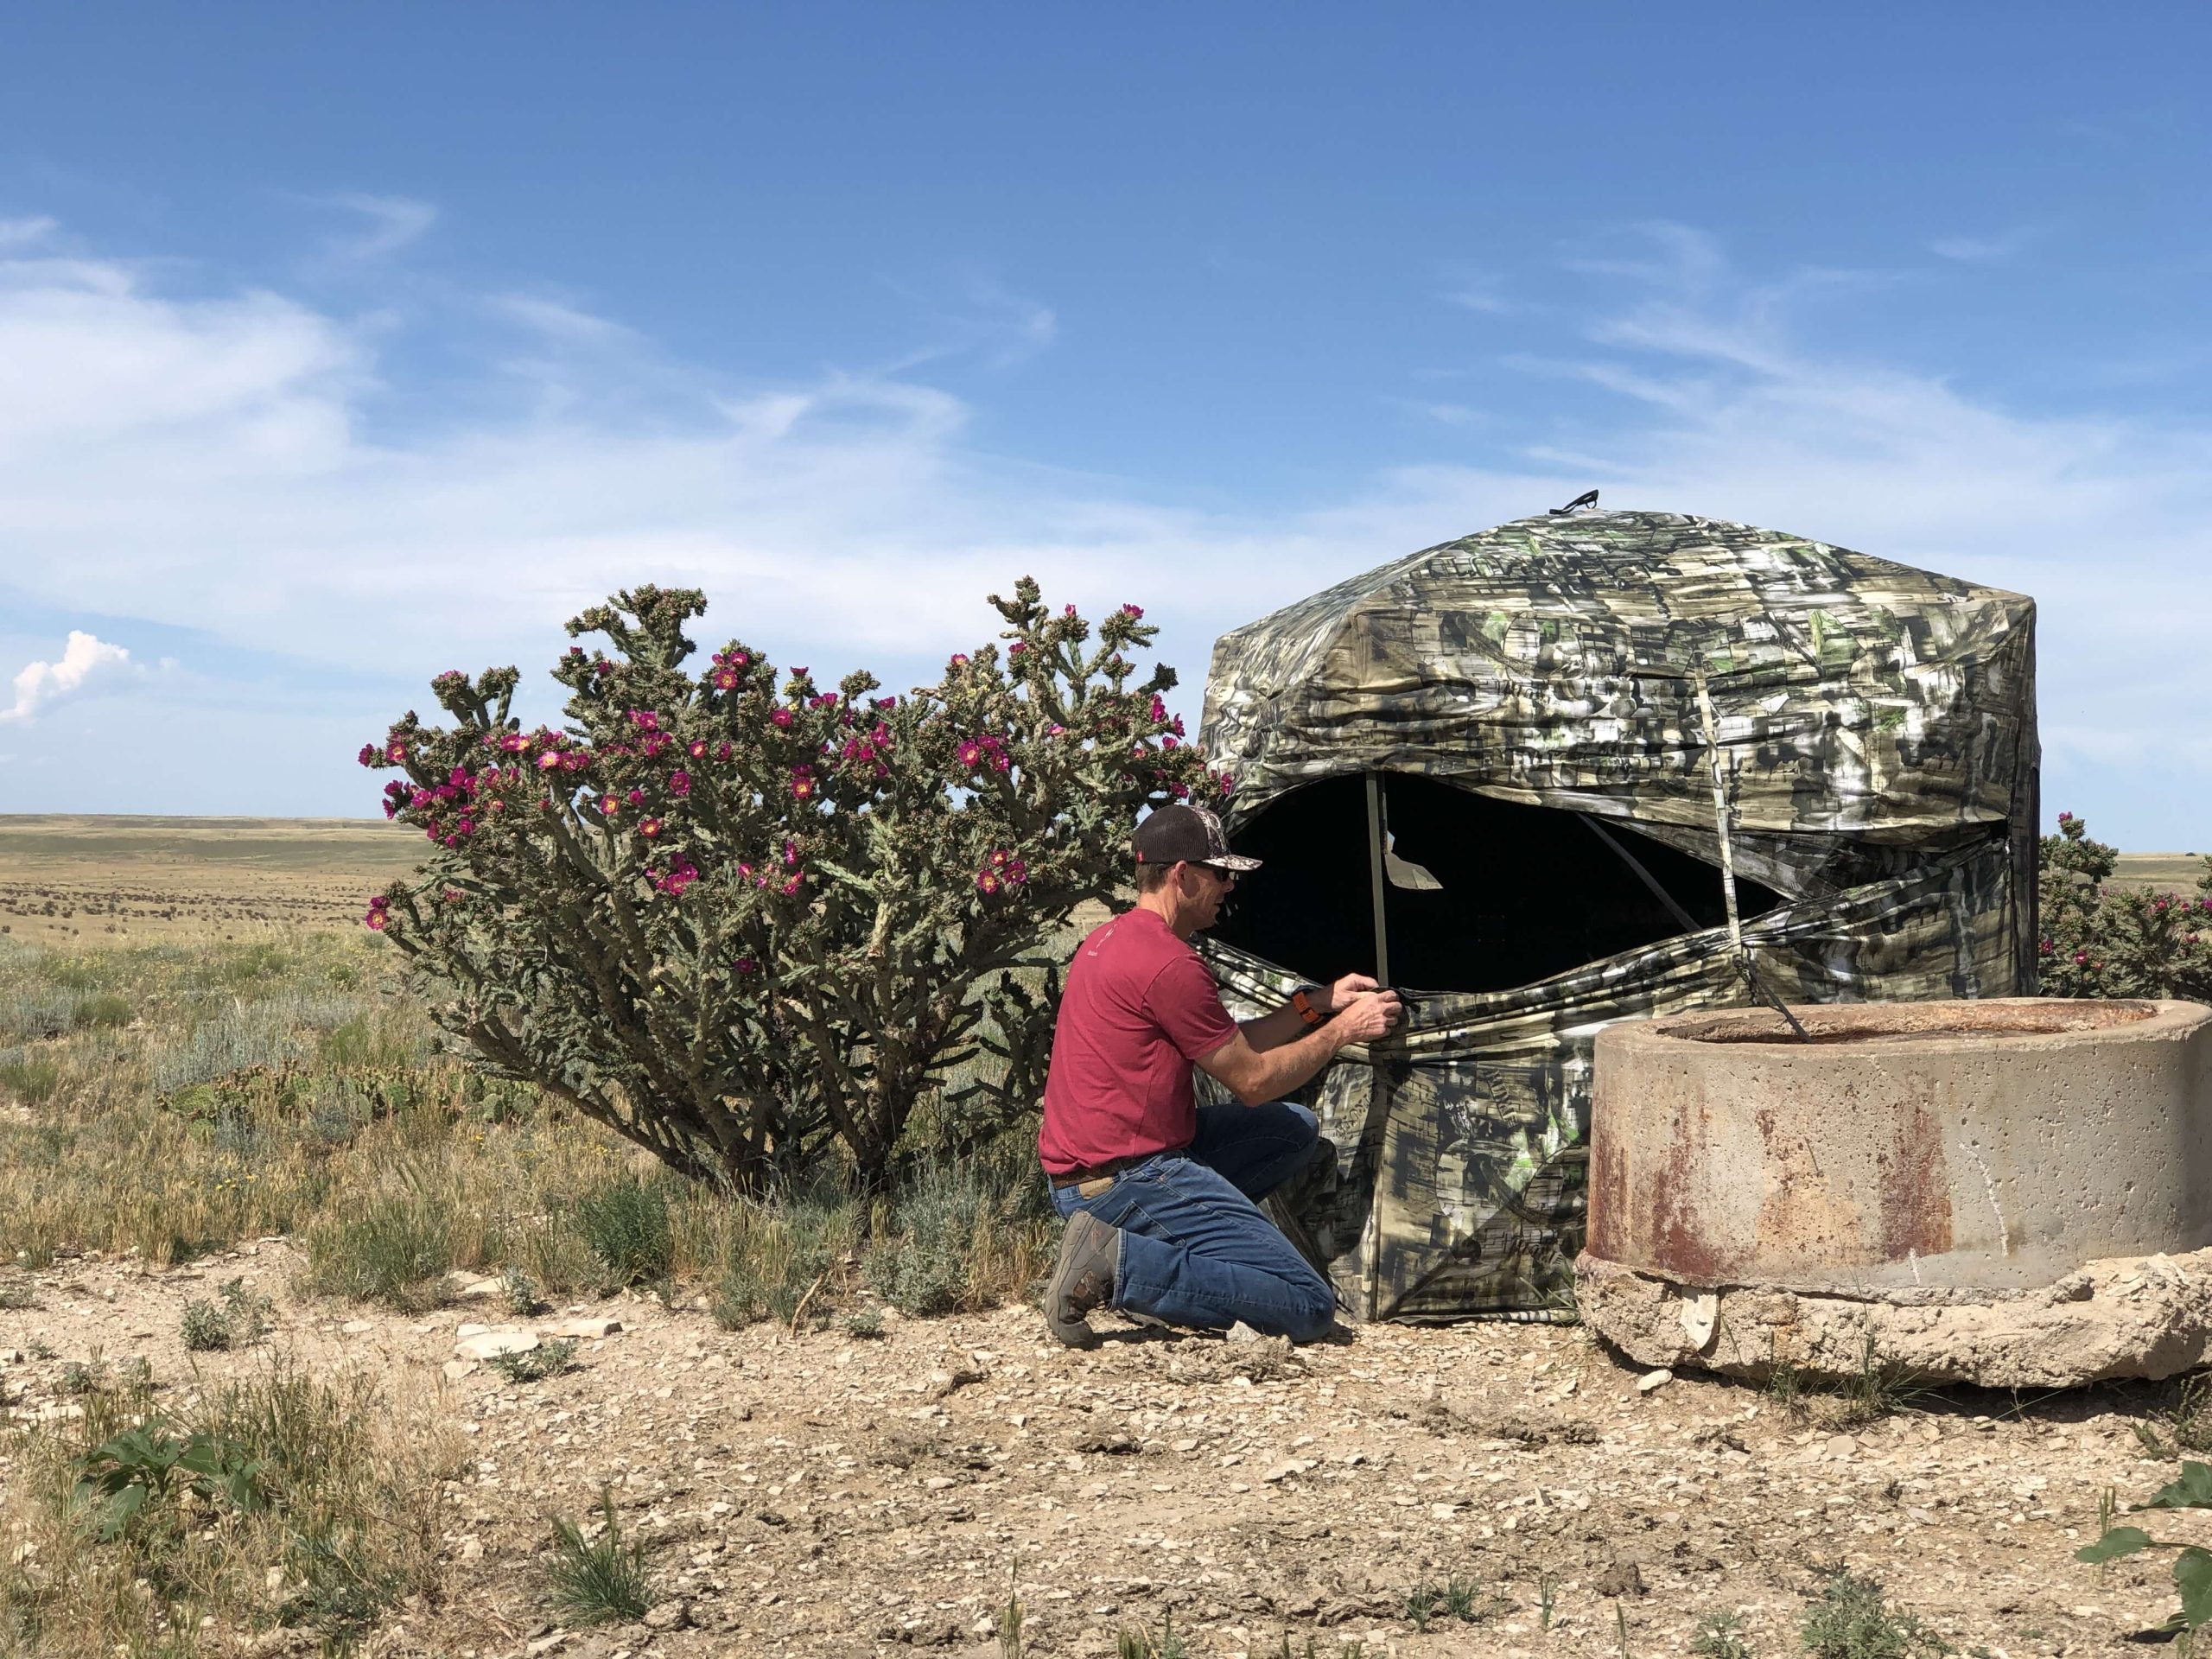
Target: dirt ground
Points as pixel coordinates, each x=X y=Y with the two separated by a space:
x=822 y=1494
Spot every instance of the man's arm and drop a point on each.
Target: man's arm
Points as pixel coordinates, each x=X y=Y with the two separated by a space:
x=1271 y=1031
x=1256 y=1076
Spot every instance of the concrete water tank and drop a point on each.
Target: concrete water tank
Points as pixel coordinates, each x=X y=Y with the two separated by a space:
x=2012 y=1192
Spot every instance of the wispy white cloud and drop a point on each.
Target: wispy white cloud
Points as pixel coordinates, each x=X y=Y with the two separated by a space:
x=387 y=225
x=25 y=233
x=1987 y=250
x=84 y=658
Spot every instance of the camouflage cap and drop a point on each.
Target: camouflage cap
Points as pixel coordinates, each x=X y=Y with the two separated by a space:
x=1186 y=835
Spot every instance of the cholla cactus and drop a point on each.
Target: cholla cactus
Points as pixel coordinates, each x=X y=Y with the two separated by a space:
x=2097 y=942
x=732 y=914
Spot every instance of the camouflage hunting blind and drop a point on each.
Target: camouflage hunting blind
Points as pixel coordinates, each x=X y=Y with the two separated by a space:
x=1509 y=725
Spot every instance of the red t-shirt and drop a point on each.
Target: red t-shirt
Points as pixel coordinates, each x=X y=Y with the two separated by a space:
x=1139 y=1007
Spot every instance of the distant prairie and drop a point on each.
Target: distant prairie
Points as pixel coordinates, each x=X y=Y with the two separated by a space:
x=71 y=880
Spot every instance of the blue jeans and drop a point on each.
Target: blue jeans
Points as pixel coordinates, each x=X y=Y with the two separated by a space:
x=1195 y=1249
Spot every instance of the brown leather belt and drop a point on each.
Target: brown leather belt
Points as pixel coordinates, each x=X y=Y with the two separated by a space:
x=1104 y=1171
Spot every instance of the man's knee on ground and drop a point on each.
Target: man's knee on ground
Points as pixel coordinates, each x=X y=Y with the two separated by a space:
x=1312 y=1308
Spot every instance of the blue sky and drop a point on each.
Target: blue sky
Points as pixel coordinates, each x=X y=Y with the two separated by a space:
x=339 y=348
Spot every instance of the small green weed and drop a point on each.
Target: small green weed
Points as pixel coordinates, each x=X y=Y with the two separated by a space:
x=240 y=1320
x=204 y=1327
x=2192 y=1569
x=16 y=1295
x=2187 y=1422
x=534 y=1366
x=864 y=1323
x=1854 y=1620
x=1462 y=1599
x=1010 y=1617
x=595 y=1582
x=120 y=1478
x=1720 y=1636
x=523 y=1297
x=1135 y=1642
x=1420 y=1607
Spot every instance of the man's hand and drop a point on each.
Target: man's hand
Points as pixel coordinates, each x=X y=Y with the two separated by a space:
x=1366 y=1015
x=1343 y=991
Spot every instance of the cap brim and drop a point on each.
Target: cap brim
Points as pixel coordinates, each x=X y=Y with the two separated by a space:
x=1233 y=861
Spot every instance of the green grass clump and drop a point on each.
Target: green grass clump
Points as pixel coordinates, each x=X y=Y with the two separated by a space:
x=1135 y=1642
x=596 y=1581
x=536 y=1365
x=1720 y=1636
x=1854 y=1619
x=397 y=1251
x=626 y=1221
x=240 y=1319
x=2186 y=1422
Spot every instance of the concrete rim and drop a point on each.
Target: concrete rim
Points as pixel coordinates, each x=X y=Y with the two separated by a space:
x=1957 y=1026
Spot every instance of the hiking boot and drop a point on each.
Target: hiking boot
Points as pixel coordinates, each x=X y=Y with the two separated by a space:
x=1082 y=1279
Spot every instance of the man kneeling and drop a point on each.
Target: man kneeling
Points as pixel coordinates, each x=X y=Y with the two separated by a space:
x=1158 y=1195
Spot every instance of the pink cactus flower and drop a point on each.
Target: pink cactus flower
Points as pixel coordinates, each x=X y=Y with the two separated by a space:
x=782 y=717
x=648 y=828
x=987 y=882
x=1134 y=613
x=395 y=750
x=679 y=784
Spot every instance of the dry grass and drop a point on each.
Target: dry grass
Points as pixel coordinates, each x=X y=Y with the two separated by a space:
x=345 y=1510
x=164 y=1102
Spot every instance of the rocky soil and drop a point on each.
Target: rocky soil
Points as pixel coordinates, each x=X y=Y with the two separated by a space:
x=822 y=1494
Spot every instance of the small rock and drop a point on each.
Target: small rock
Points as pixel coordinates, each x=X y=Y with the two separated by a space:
x=669 y=1616
x=1286 y=1468
x=356 y=1327
x=457 y=1368
x=1651 y=1380
x=546 y=1643
x=1620 y=1578
x=1241 y=1331
x=476 y=1287
x=483 y=1344
x=586 y=1329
